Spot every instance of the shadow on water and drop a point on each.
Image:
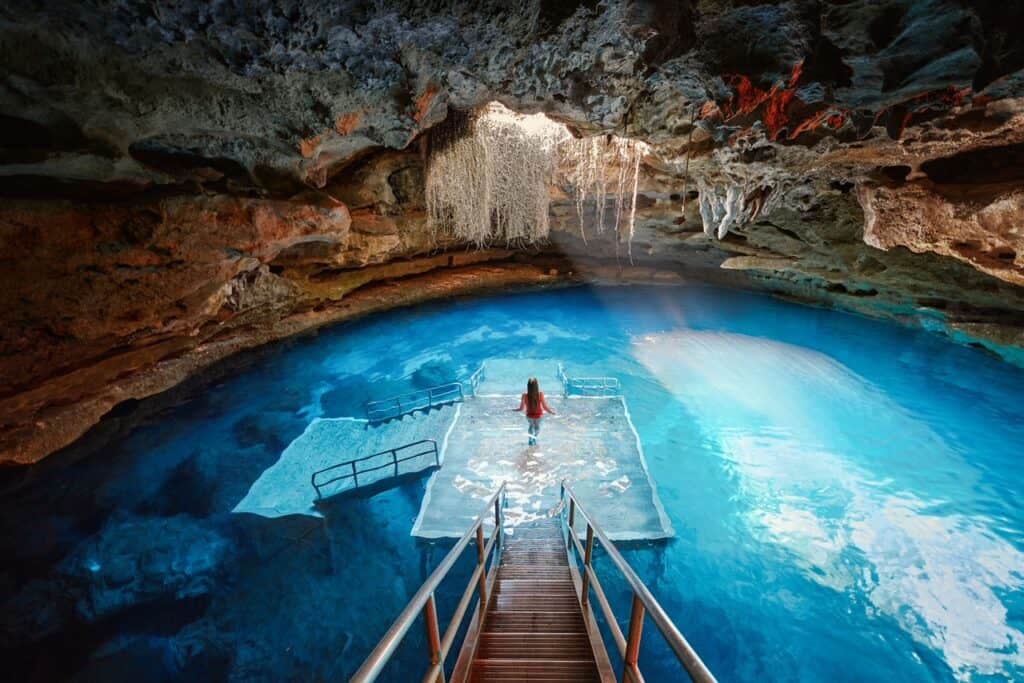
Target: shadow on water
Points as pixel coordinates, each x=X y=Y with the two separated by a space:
x=332 y=504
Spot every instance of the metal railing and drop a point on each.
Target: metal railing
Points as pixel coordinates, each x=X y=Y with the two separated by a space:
x=589 y=386
x=643 y=602
x=403 y=404
x=593 y=386
x=423 y=601
x=476 y=378
x=424 y=447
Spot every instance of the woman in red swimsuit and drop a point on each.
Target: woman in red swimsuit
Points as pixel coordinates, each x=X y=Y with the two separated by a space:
x=534 y=403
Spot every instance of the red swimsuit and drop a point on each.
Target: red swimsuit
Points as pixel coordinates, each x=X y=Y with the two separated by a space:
x=540 y=409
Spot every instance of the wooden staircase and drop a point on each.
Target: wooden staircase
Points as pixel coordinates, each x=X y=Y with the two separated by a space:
x=533 y=620
x=534 y=628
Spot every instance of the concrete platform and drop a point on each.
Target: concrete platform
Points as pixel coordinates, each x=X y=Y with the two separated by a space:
x=284 y=488
x=591 y=443
x=507 y=377
x=483 y=441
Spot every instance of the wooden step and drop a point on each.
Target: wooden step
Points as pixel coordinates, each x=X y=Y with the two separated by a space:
x=534 y=621
x=534 y=629
x=534 y=670
x=527 y=571
x=521 y=557
x=541 y=531
x=535 y=546
x=573 y=646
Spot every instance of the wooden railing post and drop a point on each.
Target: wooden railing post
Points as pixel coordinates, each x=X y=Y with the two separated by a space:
x=481 y=560
x=587 y=568
x=572 y=512
x=636 y=628
x=355 y=476
x=433 y=635
x=394 y=459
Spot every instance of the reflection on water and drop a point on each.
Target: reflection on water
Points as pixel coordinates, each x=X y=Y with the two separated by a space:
x=825 y=466
x=847 y=498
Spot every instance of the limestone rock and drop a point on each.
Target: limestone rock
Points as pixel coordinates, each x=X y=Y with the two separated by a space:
x=181 y=179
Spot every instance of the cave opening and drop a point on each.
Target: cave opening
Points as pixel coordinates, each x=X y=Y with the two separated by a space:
x=490 y=175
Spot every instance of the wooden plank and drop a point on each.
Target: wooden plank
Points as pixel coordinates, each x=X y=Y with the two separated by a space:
x=534 y=628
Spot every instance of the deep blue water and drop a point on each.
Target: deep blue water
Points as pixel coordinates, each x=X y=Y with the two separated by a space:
x=846 y=496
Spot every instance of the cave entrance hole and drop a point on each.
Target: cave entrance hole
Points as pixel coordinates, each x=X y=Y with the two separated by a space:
x=491 y=174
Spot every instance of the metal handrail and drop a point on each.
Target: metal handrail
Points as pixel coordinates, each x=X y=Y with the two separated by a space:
x=643 y=601
x=403 y=404
x=424 y=602
x=596 y=384
x=354 y=475
x=476 y=378
x=589 y=386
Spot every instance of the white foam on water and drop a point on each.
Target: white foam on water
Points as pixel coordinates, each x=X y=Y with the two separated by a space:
x=790 y=422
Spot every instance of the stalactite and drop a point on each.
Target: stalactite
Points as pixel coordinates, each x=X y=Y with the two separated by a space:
x=595 y=163
x=689 y=146
x=733 y=204
x=488 y=177
x=632 y=208
x=491 y=181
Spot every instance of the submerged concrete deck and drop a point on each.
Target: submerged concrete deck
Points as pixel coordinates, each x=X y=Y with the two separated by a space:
x=591 y=443
x=284 y=488
x=483 y=442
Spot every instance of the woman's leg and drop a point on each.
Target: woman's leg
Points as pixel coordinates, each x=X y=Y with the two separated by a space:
x=534 y=430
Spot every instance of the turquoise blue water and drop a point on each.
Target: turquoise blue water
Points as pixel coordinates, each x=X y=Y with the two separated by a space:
x=846 y=496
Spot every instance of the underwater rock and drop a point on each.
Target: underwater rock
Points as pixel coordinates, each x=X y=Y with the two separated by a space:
x=131 y=657
x=210 y=481
x=131 y=563
x=39 y=609
x=353 y=391
x=269 y=429
x=135 y=561
x=434 y=373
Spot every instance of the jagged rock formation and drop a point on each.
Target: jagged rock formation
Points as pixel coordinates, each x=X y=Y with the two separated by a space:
x=129 y=563
x=182 y=180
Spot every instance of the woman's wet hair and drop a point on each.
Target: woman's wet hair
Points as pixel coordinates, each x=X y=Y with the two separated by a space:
x=533 y=395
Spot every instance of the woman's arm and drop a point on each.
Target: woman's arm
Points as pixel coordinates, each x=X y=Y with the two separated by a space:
x=545 y=406
x=522 y=404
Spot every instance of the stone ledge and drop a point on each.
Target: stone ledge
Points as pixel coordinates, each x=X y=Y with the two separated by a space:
x=55 y=413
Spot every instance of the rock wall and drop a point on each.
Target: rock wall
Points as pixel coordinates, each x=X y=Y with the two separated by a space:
x=182 y=180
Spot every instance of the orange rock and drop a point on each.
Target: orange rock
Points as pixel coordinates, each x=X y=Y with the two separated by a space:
x=347 y=123
x=308 y=146
x=424 y=101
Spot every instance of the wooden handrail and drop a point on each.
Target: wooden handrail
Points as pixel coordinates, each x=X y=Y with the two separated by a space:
x=644 y=603
x=423 y=601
